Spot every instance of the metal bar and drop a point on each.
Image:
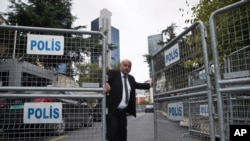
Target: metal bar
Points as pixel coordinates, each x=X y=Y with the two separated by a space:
x=58 y=30
x=183 y=96
x=103 y=86
x=234 y=81
x=50 y=96
x=51 y=89
x=216 y=60
x=182 y=90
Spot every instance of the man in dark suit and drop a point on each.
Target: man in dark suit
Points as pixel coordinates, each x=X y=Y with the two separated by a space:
x=120 y=103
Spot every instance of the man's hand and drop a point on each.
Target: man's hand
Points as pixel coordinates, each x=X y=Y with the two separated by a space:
x=107 y=88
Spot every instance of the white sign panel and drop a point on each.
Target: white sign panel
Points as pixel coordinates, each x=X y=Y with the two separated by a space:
x=204 y=110
x=202 y=74
x=40 y=112
x=175 y=111
x=172 y=55
x=45 y=44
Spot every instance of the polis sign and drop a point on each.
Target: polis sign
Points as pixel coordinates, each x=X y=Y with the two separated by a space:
x=176 y=111
x=172 y=55
x=45 y=44
x=50 y=112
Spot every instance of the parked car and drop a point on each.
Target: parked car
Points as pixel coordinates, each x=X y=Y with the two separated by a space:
x=149 y=108
x=76 y=113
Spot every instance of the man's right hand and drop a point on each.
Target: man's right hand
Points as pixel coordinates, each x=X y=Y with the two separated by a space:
x=107 y=88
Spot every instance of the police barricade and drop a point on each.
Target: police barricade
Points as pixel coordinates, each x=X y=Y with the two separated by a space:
x=182 y=91
x=229 y=27
x=51 y=84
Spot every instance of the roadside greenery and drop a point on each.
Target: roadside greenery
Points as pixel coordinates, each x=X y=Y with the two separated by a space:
x=200 y=11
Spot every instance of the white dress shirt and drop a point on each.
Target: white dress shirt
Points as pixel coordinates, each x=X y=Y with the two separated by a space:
x=123 y=104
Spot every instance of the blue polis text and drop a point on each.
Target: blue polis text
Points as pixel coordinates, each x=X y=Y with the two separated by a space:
x=45 y=46
x=175 y=111
x=172 y=55
x=42 y=113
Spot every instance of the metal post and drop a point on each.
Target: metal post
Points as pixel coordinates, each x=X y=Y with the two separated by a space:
x=14 y=47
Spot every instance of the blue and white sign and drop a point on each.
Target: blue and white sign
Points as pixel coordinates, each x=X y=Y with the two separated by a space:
x=175 y=111
x=40 y=112
x=204 y=110
x=202 y=74
x=45 y=44
x=62 y=68
x=172 y=55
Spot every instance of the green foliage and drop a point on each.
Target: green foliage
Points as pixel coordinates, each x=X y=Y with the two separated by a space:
x=192 y=50
x=148 y=58
x=89 y=72
x=169 y=34
x=116 y=66
x=204 y=9
x=41 y=13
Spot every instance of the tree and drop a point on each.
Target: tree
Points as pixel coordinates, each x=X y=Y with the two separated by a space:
x=116 y=66
x=41 y=13
x=89 y=72
x=52 y=14
x=169 y=34
x=204 y=9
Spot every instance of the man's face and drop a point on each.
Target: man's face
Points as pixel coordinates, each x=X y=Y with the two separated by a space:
x=125 y=67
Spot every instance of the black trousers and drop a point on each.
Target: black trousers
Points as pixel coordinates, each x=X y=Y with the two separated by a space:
x=116 y=122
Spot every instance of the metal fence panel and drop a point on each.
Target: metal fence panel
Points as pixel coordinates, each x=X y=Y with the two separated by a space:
x=56 y=62
x=230 y=36
x=182 y=81
x=30 y=56
x=78 y=121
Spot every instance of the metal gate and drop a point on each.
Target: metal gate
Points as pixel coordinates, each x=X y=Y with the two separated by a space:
x=183 y=92
x=51 y=84
x=230 y=36
x=203 y=93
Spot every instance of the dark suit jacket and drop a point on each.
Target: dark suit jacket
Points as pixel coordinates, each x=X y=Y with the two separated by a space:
x=115 y=95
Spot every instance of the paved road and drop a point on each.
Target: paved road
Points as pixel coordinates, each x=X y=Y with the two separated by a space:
x=141 y=128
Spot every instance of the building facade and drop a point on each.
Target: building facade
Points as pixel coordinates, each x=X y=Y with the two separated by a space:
x=103 y=24
x=154 y=46
x=153 y=43
x=3 y=21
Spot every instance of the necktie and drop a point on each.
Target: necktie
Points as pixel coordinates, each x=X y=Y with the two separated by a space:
x=126 y=88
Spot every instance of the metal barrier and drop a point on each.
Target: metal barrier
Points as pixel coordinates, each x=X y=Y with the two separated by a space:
x=52 y=79
x=28 y=117
x=229 y=27
x=182 y=91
